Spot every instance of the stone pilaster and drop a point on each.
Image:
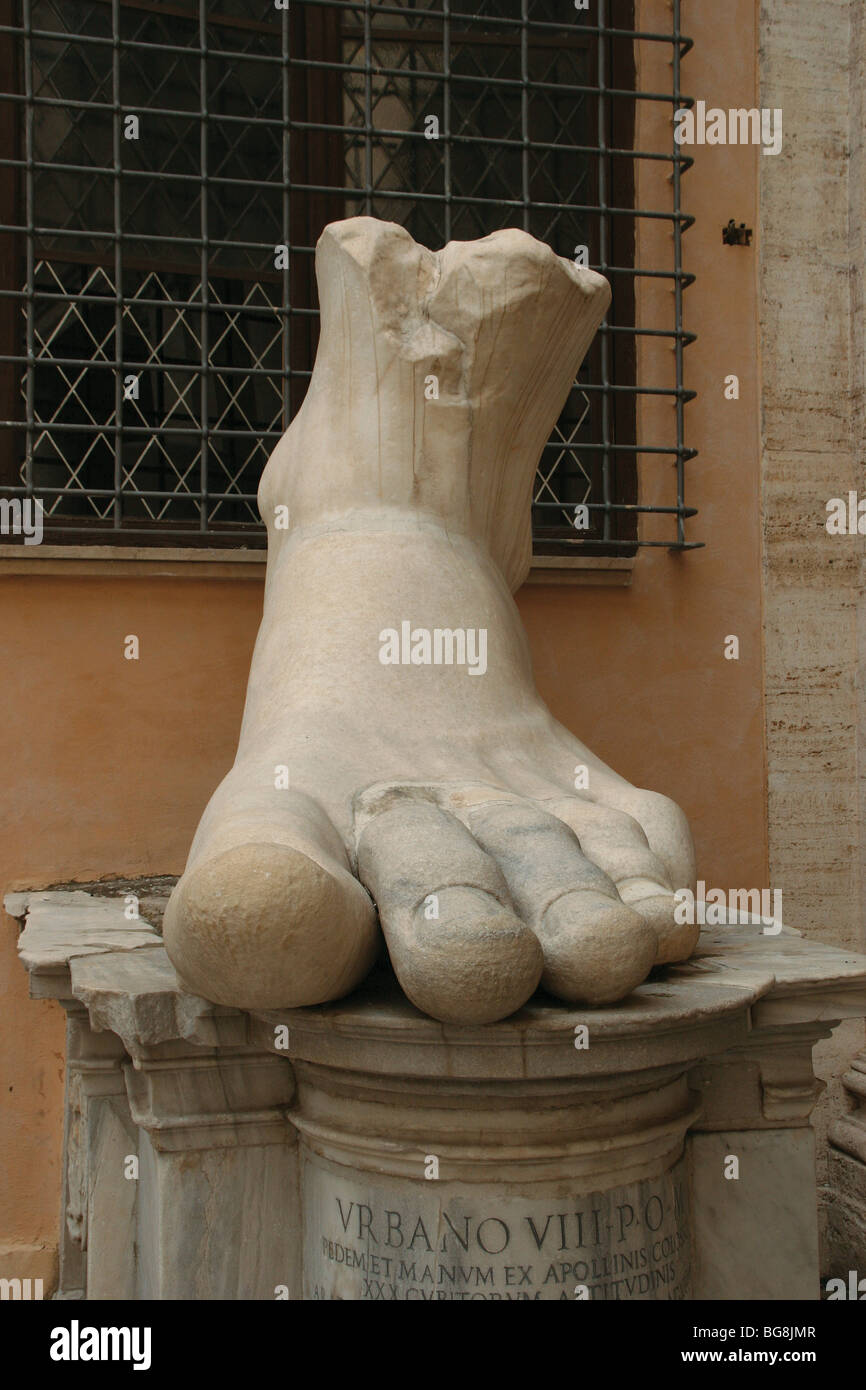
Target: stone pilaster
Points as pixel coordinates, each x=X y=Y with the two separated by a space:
x=846 y=1200
x=216 y=1147
x=100 y=1157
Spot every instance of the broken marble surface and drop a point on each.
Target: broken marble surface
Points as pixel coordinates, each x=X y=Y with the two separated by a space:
x=737 y=979
x=60 y=926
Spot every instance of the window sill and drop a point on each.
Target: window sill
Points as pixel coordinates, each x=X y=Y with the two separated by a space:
x=165 y=562
x=191 y=563
x=615 y=570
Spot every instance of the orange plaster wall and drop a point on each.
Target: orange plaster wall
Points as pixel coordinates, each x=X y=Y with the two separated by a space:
x=107 y=765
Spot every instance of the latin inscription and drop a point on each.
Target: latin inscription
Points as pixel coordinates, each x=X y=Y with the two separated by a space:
x=372 y=1242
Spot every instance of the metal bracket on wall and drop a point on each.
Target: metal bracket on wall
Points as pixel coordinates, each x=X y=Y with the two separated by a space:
x=732 y=235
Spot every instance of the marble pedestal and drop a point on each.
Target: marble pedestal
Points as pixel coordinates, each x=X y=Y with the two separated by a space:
x=657 y=1149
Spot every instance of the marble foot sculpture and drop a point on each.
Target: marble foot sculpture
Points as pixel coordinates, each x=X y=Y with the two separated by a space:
x=396 y=765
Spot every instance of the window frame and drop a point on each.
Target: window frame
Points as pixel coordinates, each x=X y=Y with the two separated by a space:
x=313 y=32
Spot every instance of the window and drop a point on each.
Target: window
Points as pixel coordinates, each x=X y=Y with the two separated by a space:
x=152 y=350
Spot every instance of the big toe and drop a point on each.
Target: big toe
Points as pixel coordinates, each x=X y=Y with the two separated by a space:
x=264 y=926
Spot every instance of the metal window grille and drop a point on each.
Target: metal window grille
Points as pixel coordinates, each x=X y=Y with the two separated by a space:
x=156 y=155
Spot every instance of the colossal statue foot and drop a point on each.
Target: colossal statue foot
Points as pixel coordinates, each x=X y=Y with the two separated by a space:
x=394 y=753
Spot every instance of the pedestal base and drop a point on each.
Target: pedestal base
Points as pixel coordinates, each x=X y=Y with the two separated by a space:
x=658 y=1149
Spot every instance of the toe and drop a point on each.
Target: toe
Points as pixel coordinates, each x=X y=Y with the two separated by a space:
x=475 y=962
x=596 y=948
x=615 y=841
x=663 y=823
x=458 y=948
x=268 y=913
x=263 y=926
